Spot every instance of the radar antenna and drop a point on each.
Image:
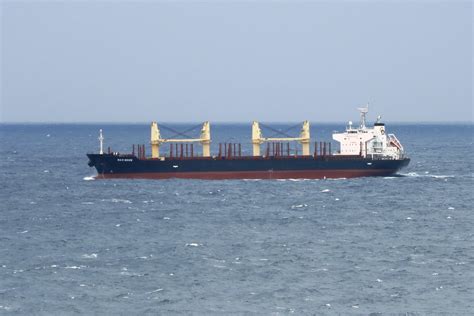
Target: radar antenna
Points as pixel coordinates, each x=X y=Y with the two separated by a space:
x=363 y=113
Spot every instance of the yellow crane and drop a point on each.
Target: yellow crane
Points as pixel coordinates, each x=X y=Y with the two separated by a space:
x=204 y=139
x=258 y=139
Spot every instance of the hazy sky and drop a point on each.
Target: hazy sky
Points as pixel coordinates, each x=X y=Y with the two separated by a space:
x=239 y=61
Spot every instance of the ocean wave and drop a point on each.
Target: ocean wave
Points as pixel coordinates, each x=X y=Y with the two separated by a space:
x=117 y=201
x=299 y=206
x=91 y=256
x=193 y=244
x=426 y=175
x=75 y=267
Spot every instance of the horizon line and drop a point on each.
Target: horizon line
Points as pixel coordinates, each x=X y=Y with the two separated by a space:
x=217 y=122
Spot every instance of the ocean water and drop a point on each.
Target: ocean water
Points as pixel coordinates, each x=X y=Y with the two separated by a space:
x=368 y=246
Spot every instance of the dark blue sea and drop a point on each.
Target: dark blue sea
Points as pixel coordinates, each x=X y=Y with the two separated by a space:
x=69 y=244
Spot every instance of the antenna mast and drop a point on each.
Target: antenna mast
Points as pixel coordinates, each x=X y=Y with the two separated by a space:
x=363 y=113
x=101 y=142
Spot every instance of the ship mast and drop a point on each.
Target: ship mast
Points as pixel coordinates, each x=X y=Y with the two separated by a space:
x=101 y=142
x=363 y=113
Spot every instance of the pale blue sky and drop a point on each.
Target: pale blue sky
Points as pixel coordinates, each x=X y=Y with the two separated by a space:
x=239 y=61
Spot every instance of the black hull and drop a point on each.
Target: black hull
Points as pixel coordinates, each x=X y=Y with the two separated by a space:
x=307 y=167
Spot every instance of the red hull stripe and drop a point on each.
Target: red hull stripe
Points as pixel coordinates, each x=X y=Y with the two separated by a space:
x=291 y=174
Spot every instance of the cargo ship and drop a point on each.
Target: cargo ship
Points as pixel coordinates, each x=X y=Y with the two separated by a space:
x=363 y=151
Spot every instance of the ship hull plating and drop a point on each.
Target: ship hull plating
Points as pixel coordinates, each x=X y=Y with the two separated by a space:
x=302 y=167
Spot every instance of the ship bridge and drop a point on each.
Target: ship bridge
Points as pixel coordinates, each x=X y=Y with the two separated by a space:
x=366 y=141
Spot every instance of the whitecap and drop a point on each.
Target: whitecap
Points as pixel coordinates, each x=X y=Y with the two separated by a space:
x=46 y=171
x=74 y=267
x=121 y=201
x=89 y=178
x=154 y=291
x=336 y=199
x=410 y=174
x=441 y=176
x=166 y=218
x=414 y=174
x=23 y=232
x=87 y=203
x=193 y=244
x=91 y=256
x=117 y=201
x=299 y=206
x=408 y=218
x=450 y=208
x=326 y=190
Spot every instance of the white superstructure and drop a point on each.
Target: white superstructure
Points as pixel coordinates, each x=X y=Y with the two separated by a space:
x=368 y=142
